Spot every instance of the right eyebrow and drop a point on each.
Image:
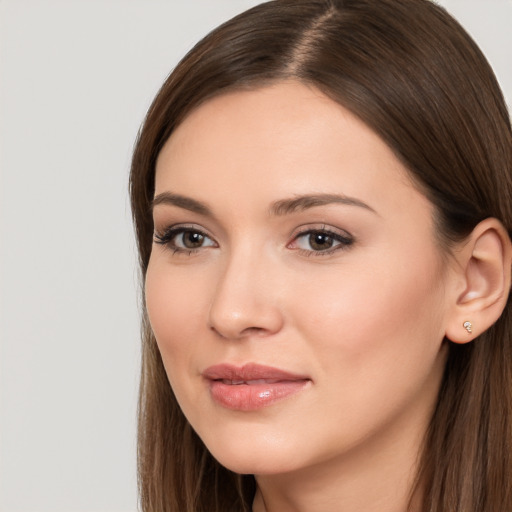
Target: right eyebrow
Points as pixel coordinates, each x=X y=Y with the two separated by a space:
x=180 y=201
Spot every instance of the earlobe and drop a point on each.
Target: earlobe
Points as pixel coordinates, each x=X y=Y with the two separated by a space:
x=485 y=265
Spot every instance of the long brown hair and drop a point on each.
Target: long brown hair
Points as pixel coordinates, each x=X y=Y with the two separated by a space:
x=411 y=73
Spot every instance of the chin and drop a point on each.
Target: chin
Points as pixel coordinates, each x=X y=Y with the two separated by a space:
x=250 y=455
x=247 y=465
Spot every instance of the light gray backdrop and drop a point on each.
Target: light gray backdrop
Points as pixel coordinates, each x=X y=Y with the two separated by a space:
x=76 y=77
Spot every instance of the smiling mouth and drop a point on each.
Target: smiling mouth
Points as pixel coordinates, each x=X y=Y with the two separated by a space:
x=251 y=387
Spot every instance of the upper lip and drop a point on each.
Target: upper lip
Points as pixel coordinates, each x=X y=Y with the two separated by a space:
x=249 y=372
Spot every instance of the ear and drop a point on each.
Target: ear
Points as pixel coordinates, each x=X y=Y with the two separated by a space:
x=482 y=282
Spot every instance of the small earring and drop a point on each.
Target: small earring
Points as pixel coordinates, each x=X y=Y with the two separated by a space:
x=468 y=326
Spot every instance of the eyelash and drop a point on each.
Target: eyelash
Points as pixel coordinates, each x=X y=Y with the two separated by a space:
x=167 y=239
x=345 y=241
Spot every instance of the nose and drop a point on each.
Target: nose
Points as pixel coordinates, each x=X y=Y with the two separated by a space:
x=246 y=299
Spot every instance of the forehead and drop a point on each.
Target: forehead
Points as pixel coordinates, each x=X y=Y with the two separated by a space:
x=277 y=141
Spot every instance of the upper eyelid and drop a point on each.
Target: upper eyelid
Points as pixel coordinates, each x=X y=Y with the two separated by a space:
x=164 y=224
x=183 y=227
x=299 y=231
x=316 y=227
x=344 y=236
x=165 y=236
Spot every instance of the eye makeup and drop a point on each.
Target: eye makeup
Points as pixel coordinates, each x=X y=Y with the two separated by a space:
x=184 y=239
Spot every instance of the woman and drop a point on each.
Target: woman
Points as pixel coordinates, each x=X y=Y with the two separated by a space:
x=322 y=198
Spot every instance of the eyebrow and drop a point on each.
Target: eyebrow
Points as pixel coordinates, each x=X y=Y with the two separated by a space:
x=278 y=208
x=301 y=203
x=187 y=203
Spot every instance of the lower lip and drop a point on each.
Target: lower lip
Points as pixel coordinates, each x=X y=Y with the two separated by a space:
x=251 y=397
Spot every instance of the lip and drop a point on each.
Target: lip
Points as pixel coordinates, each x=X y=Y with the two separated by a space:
x=252 y=386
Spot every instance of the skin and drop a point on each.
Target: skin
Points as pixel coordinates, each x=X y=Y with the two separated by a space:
x=365 y=321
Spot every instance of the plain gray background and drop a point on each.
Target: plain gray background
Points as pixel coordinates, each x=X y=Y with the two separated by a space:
x=76 y=77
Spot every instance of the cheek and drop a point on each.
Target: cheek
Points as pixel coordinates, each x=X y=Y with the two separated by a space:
x=375 y=313
x=175 y=304
x=375 y=340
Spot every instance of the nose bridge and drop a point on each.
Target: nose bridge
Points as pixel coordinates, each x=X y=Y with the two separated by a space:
x=244 y=300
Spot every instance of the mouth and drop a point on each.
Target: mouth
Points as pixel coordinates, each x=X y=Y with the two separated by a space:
x=252 y=386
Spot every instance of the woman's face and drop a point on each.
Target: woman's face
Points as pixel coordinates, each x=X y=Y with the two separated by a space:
x=295 y=286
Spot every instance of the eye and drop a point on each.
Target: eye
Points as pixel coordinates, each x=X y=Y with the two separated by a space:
x=321 y=241
x=190 y=240
x=184 y=239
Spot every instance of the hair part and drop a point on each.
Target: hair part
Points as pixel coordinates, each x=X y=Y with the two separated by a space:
x=412 y=74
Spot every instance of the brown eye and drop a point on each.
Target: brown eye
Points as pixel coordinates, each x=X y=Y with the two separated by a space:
x=190 y=239
x=184 y=239
x=320 y=241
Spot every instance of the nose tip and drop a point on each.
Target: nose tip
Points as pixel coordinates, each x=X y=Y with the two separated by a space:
x=244 y=305
x=237 y=326
x=232 y=318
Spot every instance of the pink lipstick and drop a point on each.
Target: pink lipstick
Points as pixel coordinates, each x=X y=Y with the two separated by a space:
x=251 y=386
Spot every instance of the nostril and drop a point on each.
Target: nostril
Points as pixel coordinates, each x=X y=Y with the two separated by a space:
x=253 y=331
x=247 y=332
x=212 y=328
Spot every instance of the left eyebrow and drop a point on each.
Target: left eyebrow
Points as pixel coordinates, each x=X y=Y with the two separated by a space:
x=300 y=203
